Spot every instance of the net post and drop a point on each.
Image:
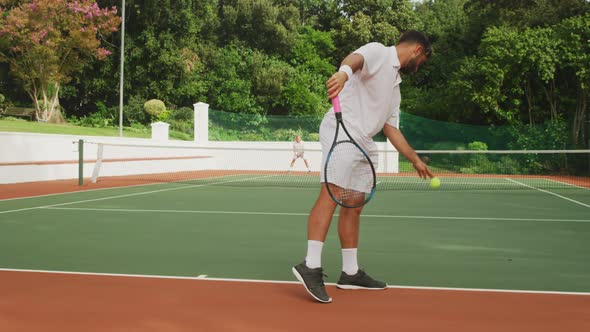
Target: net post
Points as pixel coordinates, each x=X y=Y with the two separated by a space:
x=80 y=162
x=98 y=163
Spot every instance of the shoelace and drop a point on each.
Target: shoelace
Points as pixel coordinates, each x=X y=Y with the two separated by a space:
x=364 y=276
x=319 y=276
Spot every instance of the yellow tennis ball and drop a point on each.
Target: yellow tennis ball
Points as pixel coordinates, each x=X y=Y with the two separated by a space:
x=434 y=183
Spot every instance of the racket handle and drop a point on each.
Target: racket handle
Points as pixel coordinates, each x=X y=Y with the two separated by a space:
x=336 y=104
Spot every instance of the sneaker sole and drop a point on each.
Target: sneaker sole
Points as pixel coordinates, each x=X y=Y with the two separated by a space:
x=300 y=278
x=358 y=287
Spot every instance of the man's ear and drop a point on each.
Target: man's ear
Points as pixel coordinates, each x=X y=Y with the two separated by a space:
x=418 y=49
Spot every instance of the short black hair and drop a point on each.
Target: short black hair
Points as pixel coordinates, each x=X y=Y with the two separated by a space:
x=418 y=37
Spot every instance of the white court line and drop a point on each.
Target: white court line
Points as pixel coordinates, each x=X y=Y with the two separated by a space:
x=394 y=181
x=549 y=192
x=134 y=194
x=297 y=214
x=117 y=187
x=568 y=184
x=199 y=278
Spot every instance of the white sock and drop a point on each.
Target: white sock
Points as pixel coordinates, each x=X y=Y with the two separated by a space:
x=314 y=254
x=350 y=265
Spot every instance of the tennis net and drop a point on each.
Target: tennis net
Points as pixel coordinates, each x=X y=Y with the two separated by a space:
x=252 y=164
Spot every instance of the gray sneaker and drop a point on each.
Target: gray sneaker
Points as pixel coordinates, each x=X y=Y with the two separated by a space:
x=313 y=280
x=360 y=280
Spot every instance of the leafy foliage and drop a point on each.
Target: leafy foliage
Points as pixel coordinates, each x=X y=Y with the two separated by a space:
x=46 y=41
x=522 y=64
x=154 y=107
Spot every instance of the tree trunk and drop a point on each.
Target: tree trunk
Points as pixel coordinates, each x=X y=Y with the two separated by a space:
x=529 y=98
x=33 y=93
x=551 y=99
x=579 y=124
x=46 y=101
x=55 y=115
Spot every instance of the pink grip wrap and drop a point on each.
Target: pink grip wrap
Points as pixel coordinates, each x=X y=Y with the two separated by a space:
x=336 y=104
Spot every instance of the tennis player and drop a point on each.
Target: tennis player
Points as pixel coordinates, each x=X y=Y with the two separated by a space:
x=298 y=152
x=367 y=84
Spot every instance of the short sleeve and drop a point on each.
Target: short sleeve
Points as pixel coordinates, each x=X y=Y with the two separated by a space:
x=393 y=120
x=373 y=55
x=396 y=96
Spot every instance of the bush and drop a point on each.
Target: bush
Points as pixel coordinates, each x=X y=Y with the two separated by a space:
x=155 y=108
x=477 y=146
x=311 y=137
x=447 y=146
x=103 y=117
x=551 y=135
x=182 y=114
x=221 y=134
x=133 y=112
x=94 y=120
x=181 y=126
x=252 y=137
x=285 y=134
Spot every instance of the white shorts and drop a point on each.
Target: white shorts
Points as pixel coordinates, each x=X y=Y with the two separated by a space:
x=298 y=155
x=349 y=174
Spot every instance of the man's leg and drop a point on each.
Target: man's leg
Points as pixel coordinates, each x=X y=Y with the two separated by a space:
x=318 y=225
x=320 y=216
x=310 y=272
x=348 y=230
x=348 y=226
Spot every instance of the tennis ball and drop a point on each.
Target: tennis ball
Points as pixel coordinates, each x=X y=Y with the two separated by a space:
x=434 y=183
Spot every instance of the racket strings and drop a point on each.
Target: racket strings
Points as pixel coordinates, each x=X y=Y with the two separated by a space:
x=350 y=173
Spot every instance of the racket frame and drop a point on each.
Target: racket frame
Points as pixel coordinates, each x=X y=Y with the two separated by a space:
x=340 y=123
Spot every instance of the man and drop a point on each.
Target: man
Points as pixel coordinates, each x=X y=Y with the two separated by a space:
x=367 y=84
x=298 y=151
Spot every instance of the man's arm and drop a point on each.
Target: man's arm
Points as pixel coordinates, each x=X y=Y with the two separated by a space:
x=399 y=141
x=335 y=84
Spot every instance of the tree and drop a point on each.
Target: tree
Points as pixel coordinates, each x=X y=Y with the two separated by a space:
x=229 y=81
x=259 y=24
x=519 y=14
x=165 y=42
x=427 y=93
x=508 y=66
x=312 y=51
x=363 y=21
x=574 y=36
x=46 y=41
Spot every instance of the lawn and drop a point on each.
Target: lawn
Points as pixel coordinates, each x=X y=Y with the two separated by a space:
x=20 y=125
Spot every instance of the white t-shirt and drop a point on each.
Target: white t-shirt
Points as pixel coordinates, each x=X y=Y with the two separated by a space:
x=371 y=97
x=298 y=147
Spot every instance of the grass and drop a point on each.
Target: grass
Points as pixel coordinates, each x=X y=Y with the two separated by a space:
x=24 y=126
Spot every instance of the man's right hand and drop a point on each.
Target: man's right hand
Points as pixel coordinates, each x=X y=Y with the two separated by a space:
x=336 y=83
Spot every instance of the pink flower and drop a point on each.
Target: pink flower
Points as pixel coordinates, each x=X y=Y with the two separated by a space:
x=102 y=53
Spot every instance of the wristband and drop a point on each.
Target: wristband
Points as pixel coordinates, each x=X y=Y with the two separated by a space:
x=346 y=69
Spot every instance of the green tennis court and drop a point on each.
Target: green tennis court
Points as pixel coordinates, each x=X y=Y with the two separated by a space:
x=494 y=233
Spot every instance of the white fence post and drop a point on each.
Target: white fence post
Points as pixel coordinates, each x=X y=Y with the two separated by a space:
x=201 y=123
x=160 y=131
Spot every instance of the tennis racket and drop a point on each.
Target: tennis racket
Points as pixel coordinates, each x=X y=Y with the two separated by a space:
x=349 y=174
